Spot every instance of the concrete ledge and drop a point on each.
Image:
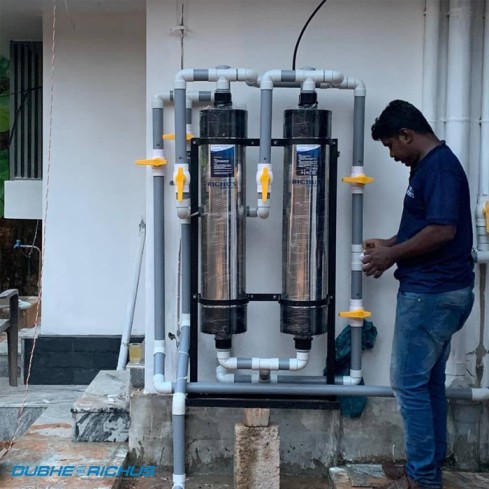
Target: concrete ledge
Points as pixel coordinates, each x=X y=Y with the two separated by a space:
x=102 y=412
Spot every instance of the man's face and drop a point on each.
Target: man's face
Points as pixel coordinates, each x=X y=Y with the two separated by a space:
x=401 y=149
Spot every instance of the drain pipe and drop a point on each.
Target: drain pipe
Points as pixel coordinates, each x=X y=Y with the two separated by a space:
x=430 y=62
x=131 y=305
x=457 y=132
x=180 y=386
x=481 y=254
x=308 y=79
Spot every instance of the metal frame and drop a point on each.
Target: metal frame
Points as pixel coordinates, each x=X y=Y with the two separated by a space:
x=262 y=401
x=11 y=326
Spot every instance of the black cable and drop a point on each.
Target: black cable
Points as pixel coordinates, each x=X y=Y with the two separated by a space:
x=27 y=92
x=303 y=30
x=20 y=91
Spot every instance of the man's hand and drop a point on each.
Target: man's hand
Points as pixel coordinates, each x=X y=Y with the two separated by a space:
x=378 y=256
x=377 y=260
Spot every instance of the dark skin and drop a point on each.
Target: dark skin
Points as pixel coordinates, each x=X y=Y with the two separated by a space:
x=409 y=147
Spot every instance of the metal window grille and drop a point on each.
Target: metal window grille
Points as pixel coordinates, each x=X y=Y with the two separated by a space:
x=26 y=110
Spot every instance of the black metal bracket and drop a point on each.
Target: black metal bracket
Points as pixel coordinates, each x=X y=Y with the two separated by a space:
x=261 y=401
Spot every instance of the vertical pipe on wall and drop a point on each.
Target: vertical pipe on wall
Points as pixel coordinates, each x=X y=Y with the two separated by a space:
x=430 y=62
x=457 y=130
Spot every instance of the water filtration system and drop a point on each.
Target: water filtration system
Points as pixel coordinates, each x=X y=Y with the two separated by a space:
x=209 y=178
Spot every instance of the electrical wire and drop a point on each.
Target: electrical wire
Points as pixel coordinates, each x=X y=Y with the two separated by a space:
x=27 y=92
x=303 y=30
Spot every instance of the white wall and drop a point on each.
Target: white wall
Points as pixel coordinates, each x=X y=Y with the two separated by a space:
x=379 y=41
x=95 y=192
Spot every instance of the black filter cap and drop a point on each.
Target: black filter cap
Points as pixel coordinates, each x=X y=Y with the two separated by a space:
x=308 y=99
x=303 y=344
x=222 y=99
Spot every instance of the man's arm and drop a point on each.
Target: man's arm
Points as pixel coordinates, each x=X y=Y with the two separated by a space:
x=380 y=258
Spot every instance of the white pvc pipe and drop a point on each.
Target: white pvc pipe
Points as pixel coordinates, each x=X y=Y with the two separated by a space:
x=457 y=132
x=214 y=74
x=233 y=363
x=458 y=79
x=482 y=209
x=430 y=62
x=131 y=304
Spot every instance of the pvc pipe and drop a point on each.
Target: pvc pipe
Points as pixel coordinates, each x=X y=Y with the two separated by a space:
x=482 y=208
x=430 y=61
x=457 y=131
x=484 y=154
x=180 y=387
x=131 y=305
x=232 y=363
x=480 y=256
x=223 y=76
x=458 y=83
x=308 y=80
x=481 y=394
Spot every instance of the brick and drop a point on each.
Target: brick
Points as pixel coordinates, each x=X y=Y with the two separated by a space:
x=256 y=457
x=256 y=417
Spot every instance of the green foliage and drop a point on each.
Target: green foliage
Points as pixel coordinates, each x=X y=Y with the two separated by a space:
x=4 y=174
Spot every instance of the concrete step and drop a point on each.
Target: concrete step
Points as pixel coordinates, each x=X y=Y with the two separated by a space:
x=48 y=444
x=370 y=476
x=101 y=414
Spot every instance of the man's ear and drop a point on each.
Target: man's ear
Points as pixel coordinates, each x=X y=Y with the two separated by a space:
x=406 y=135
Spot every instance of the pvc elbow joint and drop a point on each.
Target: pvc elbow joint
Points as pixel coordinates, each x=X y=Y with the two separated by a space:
x=300 y=361
x=160 y=385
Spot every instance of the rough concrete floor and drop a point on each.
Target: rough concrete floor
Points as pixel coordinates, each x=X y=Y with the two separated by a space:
x=164 y=481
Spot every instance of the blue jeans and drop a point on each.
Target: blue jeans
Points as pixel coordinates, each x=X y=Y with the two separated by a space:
x=424 y=327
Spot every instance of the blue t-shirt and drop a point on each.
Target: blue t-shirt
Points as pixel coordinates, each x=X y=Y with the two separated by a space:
x=438 y=193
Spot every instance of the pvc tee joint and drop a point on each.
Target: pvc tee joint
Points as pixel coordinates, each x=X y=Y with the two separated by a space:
x=233 y=363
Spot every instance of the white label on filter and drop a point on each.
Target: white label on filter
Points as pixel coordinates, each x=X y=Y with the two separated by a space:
x=307 y=160
x=222 y=160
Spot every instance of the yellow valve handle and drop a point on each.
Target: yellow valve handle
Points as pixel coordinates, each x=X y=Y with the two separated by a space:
x=171 y=137
x=180 y=182
x=356 y=314
x=360 y=179
x=152 y=162
x=265 y=181
x=485 y=211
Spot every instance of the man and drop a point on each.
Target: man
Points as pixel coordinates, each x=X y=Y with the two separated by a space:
x=432 y=250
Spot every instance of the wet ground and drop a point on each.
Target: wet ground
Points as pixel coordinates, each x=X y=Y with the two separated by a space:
x=164 y=481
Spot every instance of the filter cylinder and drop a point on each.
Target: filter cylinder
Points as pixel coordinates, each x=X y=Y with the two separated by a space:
x=304 y=299
x=223 y=297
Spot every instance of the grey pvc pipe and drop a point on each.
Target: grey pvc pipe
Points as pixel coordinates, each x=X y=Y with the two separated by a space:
x=186 y=268
x=356 y=348
x=178 y=420
x=356 y=284
x=178 y=424
x=159 y=264
x=180 y=125
x=157 y=128
x=357 y=218
x=265 y=126
x=358 y=129
x=309 y=390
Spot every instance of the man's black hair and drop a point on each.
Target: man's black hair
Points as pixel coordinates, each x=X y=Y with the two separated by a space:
x=399 y=115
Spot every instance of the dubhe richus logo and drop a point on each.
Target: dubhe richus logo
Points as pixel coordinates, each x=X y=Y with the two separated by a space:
x=83 y=471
